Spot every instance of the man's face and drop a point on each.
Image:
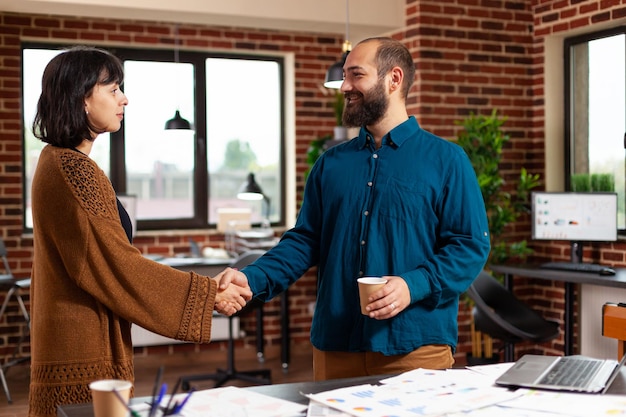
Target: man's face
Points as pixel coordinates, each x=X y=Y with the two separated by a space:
x=365 y=108
x=367 y=100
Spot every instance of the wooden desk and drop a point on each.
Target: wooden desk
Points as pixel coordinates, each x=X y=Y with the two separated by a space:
x=292 y=392
x=570 y=278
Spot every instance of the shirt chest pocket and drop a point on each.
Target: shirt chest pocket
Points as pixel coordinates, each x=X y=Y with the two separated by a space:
x=404 y=200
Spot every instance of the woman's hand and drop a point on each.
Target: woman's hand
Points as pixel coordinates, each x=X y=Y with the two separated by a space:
x=233 y=291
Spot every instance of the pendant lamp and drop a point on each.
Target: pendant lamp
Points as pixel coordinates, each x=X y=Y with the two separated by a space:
x=177 y=122
x=334 y=75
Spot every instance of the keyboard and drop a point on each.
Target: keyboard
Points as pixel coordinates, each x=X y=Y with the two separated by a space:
x=571 y=372
x=575 y=267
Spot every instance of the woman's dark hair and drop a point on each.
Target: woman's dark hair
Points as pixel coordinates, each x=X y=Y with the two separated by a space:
x=68 y=79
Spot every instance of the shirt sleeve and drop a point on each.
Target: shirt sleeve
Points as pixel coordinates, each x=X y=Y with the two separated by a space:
x=462 y=244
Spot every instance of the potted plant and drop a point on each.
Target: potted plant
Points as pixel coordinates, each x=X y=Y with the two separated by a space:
x=483 y=140
x=316 y=148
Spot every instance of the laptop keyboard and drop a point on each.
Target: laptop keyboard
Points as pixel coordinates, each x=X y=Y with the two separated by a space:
x=571 y=372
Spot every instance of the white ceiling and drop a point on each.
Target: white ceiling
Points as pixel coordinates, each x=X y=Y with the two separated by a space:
x=366 y=17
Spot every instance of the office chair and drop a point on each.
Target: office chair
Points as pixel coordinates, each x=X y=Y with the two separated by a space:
x=15 y=288
x=221 y=376
x=500 y=314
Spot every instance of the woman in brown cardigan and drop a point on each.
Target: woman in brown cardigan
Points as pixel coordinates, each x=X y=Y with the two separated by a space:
x=88 y=282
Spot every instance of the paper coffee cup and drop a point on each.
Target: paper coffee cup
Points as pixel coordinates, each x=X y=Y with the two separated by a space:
x=368 y=285
x=105 y=402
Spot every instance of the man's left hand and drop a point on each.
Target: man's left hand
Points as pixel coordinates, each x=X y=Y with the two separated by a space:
x=389 y=300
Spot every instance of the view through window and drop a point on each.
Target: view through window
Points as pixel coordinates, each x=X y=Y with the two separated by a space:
x=182 y=178
x=596 y=121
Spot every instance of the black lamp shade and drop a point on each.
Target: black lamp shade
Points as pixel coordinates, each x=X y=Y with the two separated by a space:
x=250 y=190
x=177 y=122
x=334 y=75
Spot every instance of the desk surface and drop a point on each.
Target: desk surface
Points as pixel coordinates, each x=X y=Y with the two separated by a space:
x=187 y=261
x=292 y=392
x=535 y=271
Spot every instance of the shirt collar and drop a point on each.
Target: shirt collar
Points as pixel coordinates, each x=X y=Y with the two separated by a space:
x=396 y=136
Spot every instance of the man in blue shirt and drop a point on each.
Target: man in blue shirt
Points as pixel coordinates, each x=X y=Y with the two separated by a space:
x=397 y=202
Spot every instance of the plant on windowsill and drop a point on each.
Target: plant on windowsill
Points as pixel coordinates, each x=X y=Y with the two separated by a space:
x=483 y=140
x=584 y=183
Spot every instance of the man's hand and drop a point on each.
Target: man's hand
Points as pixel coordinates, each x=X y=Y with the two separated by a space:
x=233 y=292
x=389 y=300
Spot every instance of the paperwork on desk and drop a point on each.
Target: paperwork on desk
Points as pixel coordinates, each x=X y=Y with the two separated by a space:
x=235 y=402
x=461 y=393
x=420 y=393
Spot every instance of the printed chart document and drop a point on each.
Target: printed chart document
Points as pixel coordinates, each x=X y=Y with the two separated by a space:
x=463 y=392
x=420 y=392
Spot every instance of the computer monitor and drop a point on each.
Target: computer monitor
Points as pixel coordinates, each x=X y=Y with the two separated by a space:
x=574 y=217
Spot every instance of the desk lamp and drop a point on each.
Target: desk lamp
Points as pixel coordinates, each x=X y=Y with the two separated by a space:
x=251 y=191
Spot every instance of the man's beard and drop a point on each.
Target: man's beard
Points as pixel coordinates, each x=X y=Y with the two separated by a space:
x=370 y=110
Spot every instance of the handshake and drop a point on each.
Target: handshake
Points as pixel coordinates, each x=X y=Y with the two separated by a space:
x=233 y=291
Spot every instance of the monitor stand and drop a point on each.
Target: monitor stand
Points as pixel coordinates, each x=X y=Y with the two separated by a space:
x=576 y=252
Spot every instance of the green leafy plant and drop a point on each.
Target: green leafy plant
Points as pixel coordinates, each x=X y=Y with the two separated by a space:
x=602 y=182
x=584 y=182
x=580 y=182
x=483 y=140
x=316 y=148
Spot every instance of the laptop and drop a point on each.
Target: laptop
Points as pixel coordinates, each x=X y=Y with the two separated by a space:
x=562 y=373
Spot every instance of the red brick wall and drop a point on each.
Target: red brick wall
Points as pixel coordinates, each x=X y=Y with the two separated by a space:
x=477 y=55
x=472 y=56
x=314 y=118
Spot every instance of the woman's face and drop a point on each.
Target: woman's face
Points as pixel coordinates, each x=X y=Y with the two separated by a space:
x=105 y=107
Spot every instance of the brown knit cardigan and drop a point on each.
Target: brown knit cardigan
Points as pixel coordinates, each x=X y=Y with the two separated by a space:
x=89 y=284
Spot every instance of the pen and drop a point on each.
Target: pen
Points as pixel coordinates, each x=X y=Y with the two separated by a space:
x=154 y=406
x=160 y=397
x=133 y=413
x=180 y=406
x=170 y=407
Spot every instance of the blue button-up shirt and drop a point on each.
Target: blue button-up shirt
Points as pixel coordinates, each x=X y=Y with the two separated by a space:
x=411 y=208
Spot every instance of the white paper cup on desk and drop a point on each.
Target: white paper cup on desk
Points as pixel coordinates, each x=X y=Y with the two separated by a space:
x=105 y=402
x=367 y=286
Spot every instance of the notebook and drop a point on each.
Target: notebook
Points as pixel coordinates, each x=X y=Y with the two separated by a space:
x=562 y=373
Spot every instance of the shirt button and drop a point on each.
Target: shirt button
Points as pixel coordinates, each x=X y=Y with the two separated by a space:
x=362 y=243
x=375 y=156
x=366 y=213
x=369 y=183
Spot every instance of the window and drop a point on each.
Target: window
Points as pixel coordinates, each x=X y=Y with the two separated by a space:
x=181 y=178
x=595 y=122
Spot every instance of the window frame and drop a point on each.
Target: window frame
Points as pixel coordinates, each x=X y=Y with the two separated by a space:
x=568 y=80
x=201 y=175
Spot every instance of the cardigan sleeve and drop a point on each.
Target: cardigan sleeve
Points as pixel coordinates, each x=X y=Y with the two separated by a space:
x=99 y=258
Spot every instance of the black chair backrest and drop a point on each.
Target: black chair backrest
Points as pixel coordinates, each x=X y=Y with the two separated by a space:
x=504 y=310
x=247 y=258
